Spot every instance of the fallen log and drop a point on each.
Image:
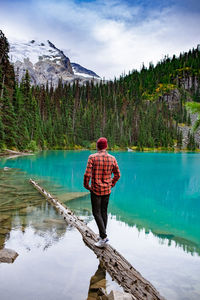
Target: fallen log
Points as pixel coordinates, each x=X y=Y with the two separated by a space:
x=116 y=265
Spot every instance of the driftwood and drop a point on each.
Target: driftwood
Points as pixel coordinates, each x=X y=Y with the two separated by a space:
x=116 y=265
x=12 y=154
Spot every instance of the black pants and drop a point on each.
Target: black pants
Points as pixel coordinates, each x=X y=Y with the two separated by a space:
x=99 y=210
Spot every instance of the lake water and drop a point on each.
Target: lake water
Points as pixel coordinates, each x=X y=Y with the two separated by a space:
x=153 y=221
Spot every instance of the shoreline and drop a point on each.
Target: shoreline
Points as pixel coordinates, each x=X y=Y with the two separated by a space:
x=9 y=154
x=133 y=149
x=13 y=154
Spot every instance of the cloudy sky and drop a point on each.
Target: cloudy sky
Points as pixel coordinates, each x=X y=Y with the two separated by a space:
x=109 y=37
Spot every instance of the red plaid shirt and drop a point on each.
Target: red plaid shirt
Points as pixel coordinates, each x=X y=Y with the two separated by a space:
x=100 y=167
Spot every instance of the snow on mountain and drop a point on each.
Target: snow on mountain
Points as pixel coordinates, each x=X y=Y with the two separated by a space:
x=35 y=51
x=81 y=71
x=45 y=62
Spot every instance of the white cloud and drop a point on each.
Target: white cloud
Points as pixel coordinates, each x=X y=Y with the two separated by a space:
x=108 y=37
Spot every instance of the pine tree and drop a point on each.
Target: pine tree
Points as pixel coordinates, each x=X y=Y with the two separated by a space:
x=191 y=142
x=179 y=139
x=2 y=135
x=9 y=122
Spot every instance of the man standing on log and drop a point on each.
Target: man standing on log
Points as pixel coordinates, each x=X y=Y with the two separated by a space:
x=100 y=167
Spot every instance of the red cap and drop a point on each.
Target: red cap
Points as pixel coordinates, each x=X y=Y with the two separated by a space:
x=102 y=143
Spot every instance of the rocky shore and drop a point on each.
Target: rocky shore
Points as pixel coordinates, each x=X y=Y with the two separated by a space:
x=11 y=154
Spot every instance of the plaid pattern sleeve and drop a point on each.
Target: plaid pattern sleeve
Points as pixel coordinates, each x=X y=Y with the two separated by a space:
x=100 y=167
x=116 y=173
x=88 y=173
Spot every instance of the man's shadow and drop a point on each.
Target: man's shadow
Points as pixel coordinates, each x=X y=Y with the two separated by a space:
x=97 y=286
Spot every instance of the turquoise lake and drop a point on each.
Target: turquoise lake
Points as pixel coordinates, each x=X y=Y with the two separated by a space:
x=154 y=221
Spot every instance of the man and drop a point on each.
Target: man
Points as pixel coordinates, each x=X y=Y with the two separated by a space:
x=100 y=167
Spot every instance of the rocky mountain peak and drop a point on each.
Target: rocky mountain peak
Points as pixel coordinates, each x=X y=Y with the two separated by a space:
x=46 y=63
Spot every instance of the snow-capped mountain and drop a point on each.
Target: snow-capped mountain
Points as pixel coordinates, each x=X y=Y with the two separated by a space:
x=81 y=71
x=45 y=62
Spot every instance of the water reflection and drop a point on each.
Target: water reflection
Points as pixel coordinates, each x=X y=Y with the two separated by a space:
x=97 y=283
x=17 y=199
x=83 y=208
x=31 y=225
x=160 y=192
x=51 y=253
x=21 y=207
x=157 y=191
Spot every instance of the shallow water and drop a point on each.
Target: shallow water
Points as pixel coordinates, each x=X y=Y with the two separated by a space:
x=154 y=217
x=53 y=262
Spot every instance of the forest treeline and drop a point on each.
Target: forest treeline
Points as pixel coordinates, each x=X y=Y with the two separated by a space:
x=129 y=111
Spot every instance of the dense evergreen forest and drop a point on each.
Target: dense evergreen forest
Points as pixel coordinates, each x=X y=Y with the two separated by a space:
x=132 y=111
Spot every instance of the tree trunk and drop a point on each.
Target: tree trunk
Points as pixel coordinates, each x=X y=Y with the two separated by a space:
x=116 y=265
x=2 y=88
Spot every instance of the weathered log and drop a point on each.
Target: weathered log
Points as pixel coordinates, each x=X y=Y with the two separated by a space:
x=116 y=265
x=12 y=154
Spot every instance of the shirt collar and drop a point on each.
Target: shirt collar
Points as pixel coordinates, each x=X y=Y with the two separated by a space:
x=103 y=150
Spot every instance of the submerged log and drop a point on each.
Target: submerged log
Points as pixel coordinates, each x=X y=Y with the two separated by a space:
x=116 y=265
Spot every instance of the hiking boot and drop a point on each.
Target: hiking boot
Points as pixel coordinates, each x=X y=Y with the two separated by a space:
x=101 y=242
x=98 y=237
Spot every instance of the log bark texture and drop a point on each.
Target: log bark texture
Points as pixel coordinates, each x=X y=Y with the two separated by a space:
x=116 y=265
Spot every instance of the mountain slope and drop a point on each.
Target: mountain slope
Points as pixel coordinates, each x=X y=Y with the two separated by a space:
x=45 y=62
x=81 y=71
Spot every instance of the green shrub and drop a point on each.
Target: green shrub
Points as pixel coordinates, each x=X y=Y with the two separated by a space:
x=32 y=146
x=93 y=146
